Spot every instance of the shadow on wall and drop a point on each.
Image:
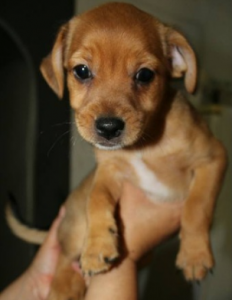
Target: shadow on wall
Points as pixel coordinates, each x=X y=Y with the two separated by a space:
x=34 y=132
x=17 y=136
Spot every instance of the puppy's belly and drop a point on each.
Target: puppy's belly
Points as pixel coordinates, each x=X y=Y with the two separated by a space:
x=155 y=189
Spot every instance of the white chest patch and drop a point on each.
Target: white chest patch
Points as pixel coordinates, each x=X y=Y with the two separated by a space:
x=148 y=181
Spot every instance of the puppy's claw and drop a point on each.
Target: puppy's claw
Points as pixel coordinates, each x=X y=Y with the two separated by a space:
x=113 y=231
x=110 y=260
x=90 y=273
x=211 y=271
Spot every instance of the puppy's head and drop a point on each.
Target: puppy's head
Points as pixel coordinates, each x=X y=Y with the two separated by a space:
x=118 y=61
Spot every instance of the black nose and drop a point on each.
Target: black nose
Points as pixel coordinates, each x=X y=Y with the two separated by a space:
x=109 y=128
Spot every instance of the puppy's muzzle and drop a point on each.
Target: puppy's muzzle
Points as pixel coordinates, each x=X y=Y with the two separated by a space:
x=109 y=128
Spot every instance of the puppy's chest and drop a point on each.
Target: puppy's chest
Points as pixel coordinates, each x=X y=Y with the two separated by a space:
x=157 y=188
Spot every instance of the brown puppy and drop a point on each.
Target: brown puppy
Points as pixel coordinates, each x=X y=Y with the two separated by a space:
x=119 y=62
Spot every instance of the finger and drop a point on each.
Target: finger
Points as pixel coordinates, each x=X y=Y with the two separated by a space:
x=47 y=255
x=52 y=234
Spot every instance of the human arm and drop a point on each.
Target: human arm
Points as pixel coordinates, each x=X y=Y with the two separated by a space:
x=35 y=282
x=144 y=224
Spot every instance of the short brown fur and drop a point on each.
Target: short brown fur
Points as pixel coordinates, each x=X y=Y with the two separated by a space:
x=164 y=139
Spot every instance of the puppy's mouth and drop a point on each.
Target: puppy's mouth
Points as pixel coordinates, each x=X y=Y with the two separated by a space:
x=109 y=132
x=108 y=146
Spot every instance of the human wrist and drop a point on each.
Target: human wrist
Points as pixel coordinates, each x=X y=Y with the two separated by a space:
x=119 y=283
x=21 y=288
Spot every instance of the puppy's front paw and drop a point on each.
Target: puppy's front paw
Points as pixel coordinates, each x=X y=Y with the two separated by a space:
x=99 y=253
x=195 y=259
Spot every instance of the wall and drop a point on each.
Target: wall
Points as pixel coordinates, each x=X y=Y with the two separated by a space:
x=34 y=152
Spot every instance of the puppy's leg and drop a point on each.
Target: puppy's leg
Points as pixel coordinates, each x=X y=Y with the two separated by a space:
x=101 y=248
x=67 y=284
x=195 y=256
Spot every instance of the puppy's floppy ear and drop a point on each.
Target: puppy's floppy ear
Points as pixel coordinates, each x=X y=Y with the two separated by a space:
x=52 y=65
x=181 y=57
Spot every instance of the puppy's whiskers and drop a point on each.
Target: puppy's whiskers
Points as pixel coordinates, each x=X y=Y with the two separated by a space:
x=63 y=123
x=56 y=141
x=55 y=125
x=76 y=137
x=146 y=137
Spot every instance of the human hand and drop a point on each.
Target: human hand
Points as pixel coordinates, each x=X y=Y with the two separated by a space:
x=34 y=283
x=145 y=223
x=44 y=264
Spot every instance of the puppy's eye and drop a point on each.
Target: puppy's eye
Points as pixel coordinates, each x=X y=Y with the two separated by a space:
x=82 y=72
x=144 y=75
